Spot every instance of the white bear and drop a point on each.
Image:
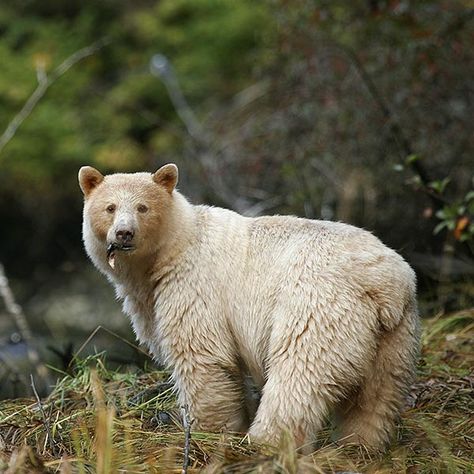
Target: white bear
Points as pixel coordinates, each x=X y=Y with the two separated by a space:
x=320 y=314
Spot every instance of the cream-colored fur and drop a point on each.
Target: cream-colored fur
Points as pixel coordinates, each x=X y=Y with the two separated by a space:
x=321 y=314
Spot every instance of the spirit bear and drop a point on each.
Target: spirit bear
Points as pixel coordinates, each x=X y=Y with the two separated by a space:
x=321 y=315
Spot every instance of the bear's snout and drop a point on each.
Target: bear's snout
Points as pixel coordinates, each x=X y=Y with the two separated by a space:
x=124 y=236
x=123 y=231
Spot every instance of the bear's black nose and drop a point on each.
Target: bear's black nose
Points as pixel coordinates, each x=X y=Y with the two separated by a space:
x=124 y=236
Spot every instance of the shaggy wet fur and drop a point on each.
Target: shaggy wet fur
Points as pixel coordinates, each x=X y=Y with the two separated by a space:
x=320 y=314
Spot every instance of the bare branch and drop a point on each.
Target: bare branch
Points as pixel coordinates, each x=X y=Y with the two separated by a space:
x=44 y=83
x=203 y=142
x=20 y=320
x=12 y=307
x=395 y=127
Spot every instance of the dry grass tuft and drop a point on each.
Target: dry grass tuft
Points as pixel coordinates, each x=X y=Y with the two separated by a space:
x=103 y=421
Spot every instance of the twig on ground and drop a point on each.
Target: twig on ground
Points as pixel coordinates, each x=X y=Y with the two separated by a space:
x=187 y=422
x=149 y=393
x=47 y=427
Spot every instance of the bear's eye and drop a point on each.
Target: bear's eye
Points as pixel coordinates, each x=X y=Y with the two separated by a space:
x=110 y=208
x=142 y=208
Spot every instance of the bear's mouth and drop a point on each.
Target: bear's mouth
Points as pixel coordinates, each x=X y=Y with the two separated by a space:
x=114 y=247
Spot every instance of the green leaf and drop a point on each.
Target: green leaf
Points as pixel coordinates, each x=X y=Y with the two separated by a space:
x=412 y=158
x=439 y=227
x=439 y=185
x=469 y=196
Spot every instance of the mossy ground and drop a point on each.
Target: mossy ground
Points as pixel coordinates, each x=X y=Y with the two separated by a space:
x=107 y=421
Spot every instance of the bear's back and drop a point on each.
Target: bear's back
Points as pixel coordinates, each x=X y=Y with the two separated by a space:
x=286 y=239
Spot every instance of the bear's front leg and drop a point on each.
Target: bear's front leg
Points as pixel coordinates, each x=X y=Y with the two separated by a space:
x=214 y=396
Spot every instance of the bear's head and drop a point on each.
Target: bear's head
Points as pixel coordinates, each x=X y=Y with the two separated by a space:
x=125 y=214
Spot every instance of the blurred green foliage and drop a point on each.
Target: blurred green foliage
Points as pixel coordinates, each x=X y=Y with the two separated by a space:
x=357 y=111
x=107 y=110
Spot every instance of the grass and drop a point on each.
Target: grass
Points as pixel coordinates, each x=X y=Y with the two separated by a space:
x=104 y=421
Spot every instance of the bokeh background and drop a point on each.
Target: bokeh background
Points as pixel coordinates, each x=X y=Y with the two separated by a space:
x=356 y=111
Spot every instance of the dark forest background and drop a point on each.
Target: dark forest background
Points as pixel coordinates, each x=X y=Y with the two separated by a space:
x=355 y=111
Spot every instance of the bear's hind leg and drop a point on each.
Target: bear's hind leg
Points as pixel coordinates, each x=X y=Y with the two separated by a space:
x=369 y=415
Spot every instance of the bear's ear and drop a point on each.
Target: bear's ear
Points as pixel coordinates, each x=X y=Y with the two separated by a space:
x=167 y=176
x=89 y=178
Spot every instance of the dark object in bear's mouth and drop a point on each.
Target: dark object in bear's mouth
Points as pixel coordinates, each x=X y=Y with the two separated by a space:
x=112 y=248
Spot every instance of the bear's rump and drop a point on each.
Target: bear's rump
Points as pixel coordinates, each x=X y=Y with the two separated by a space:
x=327 y=327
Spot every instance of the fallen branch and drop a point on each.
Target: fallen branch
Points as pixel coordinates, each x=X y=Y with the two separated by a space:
x=44 y=83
